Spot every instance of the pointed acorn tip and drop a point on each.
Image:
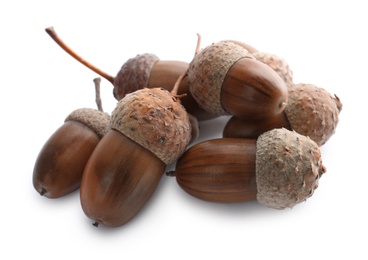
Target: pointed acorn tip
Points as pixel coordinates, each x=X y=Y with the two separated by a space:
x=96 y=223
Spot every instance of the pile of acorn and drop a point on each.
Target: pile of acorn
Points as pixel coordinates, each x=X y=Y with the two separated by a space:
x=269 y=151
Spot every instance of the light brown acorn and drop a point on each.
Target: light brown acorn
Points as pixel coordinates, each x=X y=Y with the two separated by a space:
x=144 y=71
x=279 y=169
x=225 y=79
x=310 y=111
x=150 y=129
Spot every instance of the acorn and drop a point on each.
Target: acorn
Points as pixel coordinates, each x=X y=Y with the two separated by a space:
x=144 y=71
x=60 y=163
x=313 y=111
x=310 y=111
x=280 y=169
x=225 y=79
x=149 y=129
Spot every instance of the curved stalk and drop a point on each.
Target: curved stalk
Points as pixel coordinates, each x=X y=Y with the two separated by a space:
x=50 y=31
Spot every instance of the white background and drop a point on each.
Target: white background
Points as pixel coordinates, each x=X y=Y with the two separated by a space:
x=324 y=42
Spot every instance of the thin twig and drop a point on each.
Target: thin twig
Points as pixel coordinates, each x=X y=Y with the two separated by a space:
x=57 y=39
x=97 y=82
x=198 y=45
x=175 y=89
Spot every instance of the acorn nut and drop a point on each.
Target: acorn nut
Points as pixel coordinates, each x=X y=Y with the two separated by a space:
x=310 y=111
x=313 y=111
x=144 y=71
x=279 y=169
x=226 y=79
x=60 y=163
x=150 y=129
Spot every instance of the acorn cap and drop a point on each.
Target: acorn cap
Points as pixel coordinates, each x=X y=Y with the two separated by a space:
x=277 y=64
x=155 y=119
x=96 y=120
x=207 y=72
x=134 y=74
x=288 y=168
x=313 y=112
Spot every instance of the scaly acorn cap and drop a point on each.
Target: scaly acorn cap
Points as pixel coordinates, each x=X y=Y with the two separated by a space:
x=96 y=120
x=207 y=72
x=277 y=64
x=288 y=168
x=312 y=111
x=155 y=119
x=134 y=74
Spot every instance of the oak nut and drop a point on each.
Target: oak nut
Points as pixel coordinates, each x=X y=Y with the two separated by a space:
x=60 y=163
x=310 y=111
x=149 y=129
x=313 y=111
x=225 y=79
x=280 y=169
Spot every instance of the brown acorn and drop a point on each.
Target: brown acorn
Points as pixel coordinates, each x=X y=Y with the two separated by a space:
x=279 y=169
x=310 y=111
x=313 y=111
x=225 y=79
x=150 y=129
x=60 y=164
x=144 y=71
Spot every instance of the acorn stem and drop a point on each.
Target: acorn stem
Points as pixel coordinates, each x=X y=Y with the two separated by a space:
x=50 y=31
x=97 y=82
x=175 y=89
x=198 y=45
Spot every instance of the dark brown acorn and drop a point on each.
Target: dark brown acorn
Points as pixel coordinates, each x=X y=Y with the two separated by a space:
x=310 y=111
x=60 y=164
x=279 y=169
x=150 y=129
x=225 y=79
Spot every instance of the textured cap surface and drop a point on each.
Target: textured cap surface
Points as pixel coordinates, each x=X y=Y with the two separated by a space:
x=207 y=71
x=277 y=64
x=96 y=120
x=288 y=168
x=134 y=74
x=154 y=119
x=313 y=112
